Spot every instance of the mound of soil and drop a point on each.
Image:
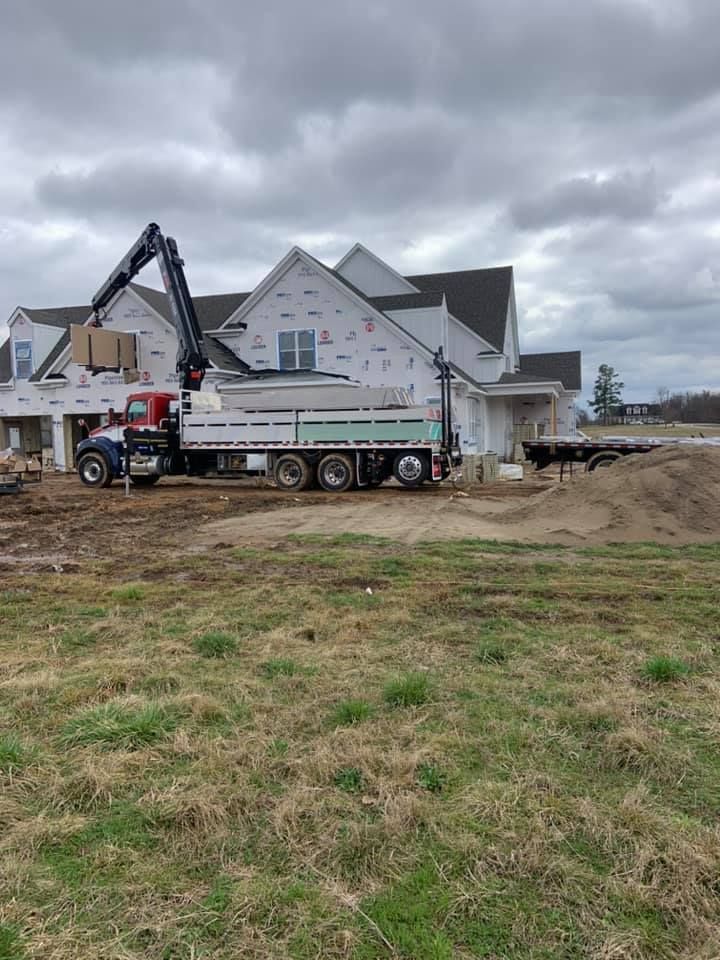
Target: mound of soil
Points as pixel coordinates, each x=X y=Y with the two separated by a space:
x=669 y=495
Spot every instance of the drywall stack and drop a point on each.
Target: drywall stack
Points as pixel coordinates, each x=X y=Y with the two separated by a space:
x=480 y=468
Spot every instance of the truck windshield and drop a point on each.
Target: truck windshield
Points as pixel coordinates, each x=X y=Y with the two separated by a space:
x=137 y=410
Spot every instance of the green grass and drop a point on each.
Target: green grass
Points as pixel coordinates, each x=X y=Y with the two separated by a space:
x=349 y=779
x=119 y=725
x=129 y=592
x=665 y=669
x=10 y=945
x=13 y=755
x=351 y=712
x=506 y=751
x=431 y=777
x=410 y=690
x=279 y=667
x=215 y=644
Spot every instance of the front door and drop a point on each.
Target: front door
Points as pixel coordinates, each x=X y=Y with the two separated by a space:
x=15 y=439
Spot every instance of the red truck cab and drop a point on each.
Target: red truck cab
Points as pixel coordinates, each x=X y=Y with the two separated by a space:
x=148 y=409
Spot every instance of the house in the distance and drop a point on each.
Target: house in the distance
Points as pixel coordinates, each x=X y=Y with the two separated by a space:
x=637 y=413
x=305 y=322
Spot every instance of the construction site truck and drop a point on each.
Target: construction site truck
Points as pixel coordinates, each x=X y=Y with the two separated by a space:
x=592 y=454
x=339 y=436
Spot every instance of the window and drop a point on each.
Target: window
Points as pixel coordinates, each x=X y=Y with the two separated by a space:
x=23 y=359
x=137 y=410
x=296 y=350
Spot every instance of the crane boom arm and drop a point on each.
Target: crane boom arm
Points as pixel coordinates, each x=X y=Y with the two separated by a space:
x=192 y=360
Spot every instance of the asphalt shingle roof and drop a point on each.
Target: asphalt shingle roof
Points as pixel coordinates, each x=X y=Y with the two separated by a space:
x=408 y=301
x=6 y=370
x=478 y=298
x=58 y=316
x=565 y=367
x=521 y=377
x=211 y=312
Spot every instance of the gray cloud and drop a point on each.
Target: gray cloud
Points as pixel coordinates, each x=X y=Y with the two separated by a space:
x=577 y=141
x=625 y=196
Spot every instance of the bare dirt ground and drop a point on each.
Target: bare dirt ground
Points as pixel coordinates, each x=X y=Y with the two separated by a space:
x=670 y=496
x=60 y=522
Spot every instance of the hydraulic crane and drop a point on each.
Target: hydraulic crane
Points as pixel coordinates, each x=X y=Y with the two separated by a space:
x=192 y=360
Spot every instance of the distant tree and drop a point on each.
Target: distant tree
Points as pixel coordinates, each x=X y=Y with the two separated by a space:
x=663 y=401
x=607 y=393
x=582 y=417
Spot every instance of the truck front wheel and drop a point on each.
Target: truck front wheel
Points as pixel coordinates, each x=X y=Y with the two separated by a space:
x=293 y=472
x=94 y=470
x=336 y=473
x=411 y=469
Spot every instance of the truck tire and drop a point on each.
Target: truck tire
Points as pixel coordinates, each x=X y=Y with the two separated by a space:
x=293 y=472
x=336 y=473
x=94 y=470
x=411 y=469
x=144 y=479
x=604 y=458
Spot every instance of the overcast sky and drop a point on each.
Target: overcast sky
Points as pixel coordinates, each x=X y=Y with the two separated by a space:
x=578 y=141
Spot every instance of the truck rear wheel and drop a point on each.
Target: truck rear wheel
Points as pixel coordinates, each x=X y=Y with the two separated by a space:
x=604 y=458
x=94 y=470
x=411 y=469
x=336 y=473
x=293 y=472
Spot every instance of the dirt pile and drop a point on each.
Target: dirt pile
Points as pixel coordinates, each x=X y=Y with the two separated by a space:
x=669 y=495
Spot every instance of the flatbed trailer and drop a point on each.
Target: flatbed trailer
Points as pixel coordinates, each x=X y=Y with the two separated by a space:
x=600 y=452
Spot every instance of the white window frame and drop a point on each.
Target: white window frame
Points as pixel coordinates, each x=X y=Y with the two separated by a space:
x=23 y=343
x=297 y=330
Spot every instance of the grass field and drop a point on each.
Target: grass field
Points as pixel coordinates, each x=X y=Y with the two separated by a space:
x=500 y=752
x=653 y=430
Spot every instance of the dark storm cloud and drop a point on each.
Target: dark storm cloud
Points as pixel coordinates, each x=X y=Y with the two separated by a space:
x=578 y=141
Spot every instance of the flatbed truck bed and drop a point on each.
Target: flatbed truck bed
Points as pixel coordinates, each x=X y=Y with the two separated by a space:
x=602 y=451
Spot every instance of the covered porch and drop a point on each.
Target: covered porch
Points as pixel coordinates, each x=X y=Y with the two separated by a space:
x=524 y=411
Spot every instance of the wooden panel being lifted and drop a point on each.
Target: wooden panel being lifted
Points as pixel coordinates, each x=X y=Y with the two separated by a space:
x=100 y=349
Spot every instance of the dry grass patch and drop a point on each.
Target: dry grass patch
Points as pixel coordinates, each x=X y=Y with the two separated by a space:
x=472 y=765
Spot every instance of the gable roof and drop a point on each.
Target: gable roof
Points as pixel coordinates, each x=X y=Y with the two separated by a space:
x=408 y=301
x=6 y=370
x=478 y=298
x=564 y=366
x=50 y=359
x=58 y=316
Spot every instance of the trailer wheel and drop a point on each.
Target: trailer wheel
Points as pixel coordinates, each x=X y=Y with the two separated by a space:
x=144 y=479
x=411 y=469
x=94 y=470
x=336 y=473
x=293 y=472
x=605 y=458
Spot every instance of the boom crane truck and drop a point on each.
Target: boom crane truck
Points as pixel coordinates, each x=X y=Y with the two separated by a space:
x=340 y=437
